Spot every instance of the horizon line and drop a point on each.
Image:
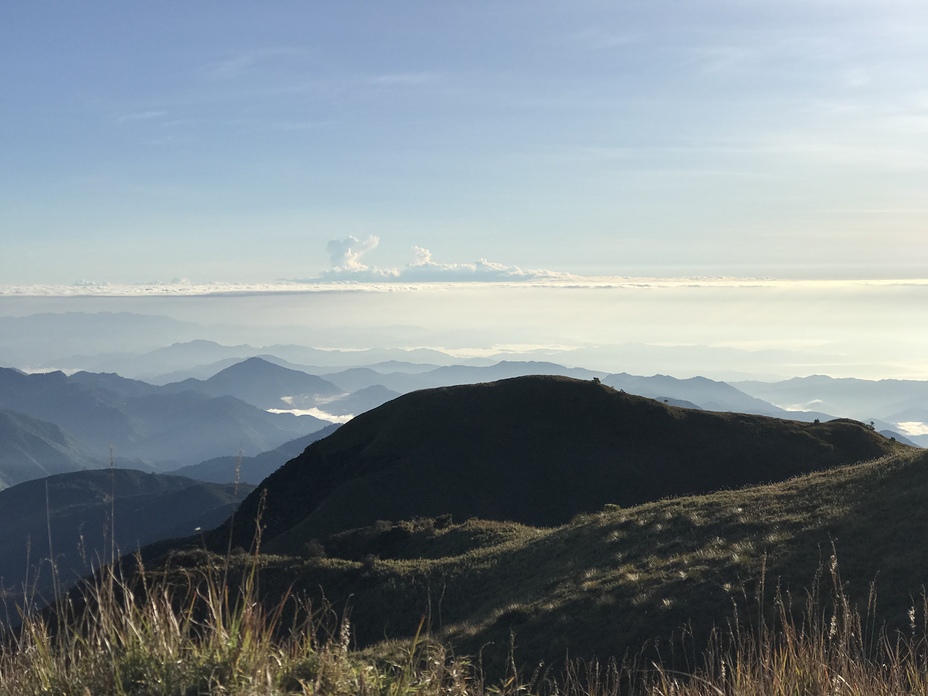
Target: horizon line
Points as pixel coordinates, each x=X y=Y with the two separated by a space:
x=231 y=288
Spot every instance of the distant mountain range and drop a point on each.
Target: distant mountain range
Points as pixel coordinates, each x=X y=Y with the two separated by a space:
x=886 y=401
x=35 y=341
x=144 y=424
x=185 y=422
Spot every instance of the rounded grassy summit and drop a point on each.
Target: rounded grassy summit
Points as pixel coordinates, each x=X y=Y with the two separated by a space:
x=536 y=450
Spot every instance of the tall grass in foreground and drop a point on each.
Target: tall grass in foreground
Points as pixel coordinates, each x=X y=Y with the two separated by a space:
x=827 y=646
x=202 y=636
x=154 y=637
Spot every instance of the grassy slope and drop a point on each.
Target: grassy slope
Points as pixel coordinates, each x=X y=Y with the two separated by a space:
x=608 y=581
x=536 y=450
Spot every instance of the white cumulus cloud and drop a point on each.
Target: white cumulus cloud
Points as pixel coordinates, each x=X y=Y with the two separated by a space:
x=346 y=260
x=423 y=268
x=346 y=255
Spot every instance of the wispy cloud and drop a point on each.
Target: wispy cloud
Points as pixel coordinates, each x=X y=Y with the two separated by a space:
x=413 y=78
x=249 y=61
x=423 y=268
x=598 y=38
x=315 y=413
x=725 y=60
x=141 y=116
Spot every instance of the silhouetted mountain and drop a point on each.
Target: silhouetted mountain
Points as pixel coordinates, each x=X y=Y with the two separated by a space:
x=31 y=449
x=75 y=510
x=466 y=374
x=406 y=381
x=536 y=450
x=255 y=469
x=679 y=403
x=699 y=392
x=261 y=383
x=147 y=424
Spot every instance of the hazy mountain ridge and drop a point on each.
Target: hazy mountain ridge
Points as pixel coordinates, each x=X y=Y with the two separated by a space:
x=887 y=402
x=261 y=383
x=254 y=469
x=145 y=424
x=859 y=396
x=133 y=345
x=709 y=394
x=31 y=448
x=98 y=414
x=34 y=340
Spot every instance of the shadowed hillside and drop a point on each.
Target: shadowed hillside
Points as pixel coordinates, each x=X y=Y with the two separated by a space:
x=609 y=581
x=76 y=511
x=31 y=449
x=535 y=450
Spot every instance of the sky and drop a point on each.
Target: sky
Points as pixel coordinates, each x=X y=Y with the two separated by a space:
x=182 y=148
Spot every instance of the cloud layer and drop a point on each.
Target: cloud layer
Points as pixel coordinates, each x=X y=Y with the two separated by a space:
x=467 y=274
x=346 y=260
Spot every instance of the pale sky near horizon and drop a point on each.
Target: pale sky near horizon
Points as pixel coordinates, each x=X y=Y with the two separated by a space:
x=550 y=150
x=249 y=142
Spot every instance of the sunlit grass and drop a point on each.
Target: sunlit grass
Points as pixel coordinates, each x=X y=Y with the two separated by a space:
x=152 y=637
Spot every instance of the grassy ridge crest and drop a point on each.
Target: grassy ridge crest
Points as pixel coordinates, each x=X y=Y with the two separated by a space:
x=536 y=450
x=609 y=581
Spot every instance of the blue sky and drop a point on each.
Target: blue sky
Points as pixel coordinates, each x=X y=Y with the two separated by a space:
x=249 y=142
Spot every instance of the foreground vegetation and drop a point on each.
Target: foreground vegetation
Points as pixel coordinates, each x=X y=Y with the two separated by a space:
x=148 y=638
x=609 y=582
